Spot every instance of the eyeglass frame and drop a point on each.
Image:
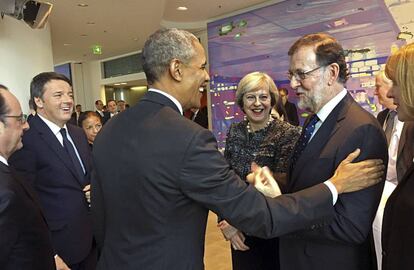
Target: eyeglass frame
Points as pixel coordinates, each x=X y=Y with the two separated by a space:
x=22 y=118
x=302 y=75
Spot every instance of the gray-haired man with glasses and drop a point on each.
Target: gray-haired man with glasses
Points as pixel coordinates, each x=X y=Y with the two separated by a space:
x=336 y=127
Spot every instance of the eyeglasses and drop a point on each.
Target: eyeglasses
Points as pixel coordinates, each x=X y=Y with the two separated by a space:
x=301 y=75
x=21 y=118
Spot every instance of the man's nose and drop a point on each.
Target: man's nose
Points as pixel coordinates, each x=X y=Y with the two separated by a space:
x=294 y=83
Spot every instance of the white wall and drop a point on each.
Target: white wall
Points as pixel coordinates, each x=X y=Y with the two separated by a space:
x=24 y=53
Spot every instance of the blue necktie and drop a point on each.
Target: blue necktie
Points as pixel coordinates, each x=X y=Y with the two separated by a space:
x=304 y=139
x=72 y=154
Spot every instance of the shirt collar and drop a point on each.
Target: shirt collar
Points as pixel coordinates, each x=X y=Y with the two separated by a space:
x=330 y=105
x=173 y=99
x=3 y=160
x=55 y=128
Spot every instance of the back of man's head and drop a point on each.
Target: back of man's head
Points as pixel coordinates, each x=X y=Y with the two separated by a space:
x=163 y=46
x=37 y=86
x=327 y=50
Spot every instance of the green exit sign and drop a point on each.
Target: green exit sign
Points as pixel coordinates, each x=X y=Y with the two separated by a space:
x=97 y=49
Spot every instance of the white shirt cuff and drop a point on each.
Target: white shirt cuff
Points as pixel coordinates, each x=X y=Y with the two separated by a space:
x=333 y=190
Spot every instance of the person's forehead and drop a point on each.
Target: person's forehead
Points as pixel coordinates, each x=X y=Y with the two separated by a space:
x=259 y=90
x=57 y=85
x=303 y=56
x=12 y=102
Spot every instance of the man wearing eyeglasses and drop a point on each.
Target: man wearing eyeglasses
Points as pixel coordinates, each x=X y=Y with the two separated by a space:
x=336 y=127
x=56 y=160
x=25 y=241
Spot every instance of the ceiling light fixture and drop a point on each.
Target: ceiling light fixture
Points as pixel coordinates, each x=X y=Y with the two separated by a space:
x=83 y=5
x=182 y=8
x=405 y=35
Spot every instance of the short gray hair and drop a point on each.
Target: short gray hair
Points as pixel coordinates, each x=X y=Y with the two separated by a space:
x=255 y=81
x=163 y=46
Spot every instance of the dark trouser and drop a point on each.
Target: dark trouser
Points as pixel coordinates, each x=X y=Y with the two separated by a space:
x=262 y=255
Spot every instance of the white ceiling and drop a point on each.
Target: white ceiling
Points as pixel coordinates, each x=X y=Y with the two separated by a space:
x=122 y=26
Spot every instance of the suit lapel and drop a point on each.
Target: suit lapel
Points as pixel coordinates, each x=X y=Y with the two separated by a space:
x=52 y=142
x=31 y=195
x=314 y=148
x=82 y=149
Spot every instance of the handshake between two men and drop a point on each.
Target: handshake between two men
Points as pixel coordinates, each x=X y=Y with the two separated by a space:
x=348 y=177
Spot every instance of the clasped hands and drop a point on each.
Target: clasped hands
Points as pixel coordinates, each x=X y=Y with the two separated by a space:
x=264 y=182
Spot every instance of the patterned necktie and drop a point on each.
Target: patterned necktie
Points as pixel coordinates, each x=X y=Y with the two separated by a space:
x=389 y=125
x=72 y=154
x=304 y=139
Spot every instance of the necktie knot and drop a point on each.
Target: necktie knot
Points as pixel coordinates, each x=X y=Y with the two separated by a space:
x=63 y=132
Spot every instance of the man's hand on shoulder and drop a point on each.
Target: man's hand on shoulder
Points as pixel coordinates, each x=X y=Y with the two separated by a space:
x=350 y=177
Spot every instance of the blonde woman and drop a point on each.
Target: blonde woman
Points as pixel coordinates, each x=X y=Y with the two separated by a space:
x=398 y=222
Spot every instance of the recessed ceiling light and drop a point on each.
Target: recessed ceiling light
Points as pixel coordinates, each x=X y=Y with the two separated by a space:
x=83 y=5
x=182 y=8
x=123 y=83
x=67 y=44
x=117 y=84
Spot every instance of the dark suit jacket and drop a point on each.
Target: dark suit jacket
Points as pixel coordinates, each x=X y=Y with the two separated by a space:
x=340 y=242
x=292 y=113
x=105 y=118
x=397 y=226
x=405 y=145
x=47 y=166
x=150 y=212
x=381 y=116
x=25 y=240
x=202 y=117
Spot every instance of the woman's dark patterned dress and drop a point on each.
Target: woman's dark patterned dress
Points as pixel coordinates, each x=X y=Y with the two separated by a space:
x=271 y=147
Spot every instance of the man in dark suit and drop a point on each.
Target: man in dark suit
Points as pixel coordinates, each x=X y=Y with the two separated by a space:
x=74 y=120
x=25 y=240
x=99 y=110
x=159 y=173
x=337 y=126
x=290 y=108
x=56 y=160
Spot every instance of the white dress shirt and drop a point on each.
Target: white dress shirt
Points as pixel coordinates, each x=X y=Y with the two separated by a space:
x=3 y=160
x=173 y=99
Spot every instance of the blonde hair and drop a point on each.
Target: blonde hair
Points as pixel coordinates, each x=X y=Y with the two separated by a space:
x=255 y=81
x=384 y=77
x=400 y=69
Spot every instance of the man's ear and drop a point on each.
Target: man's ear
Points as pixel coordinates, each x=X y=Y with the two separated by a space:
x=333 y=73
x=39 y=102
x=176 y=69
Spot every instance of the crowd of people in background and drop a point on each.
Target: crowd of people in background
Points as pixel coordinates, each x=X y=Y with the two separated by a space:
x=120 y=188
